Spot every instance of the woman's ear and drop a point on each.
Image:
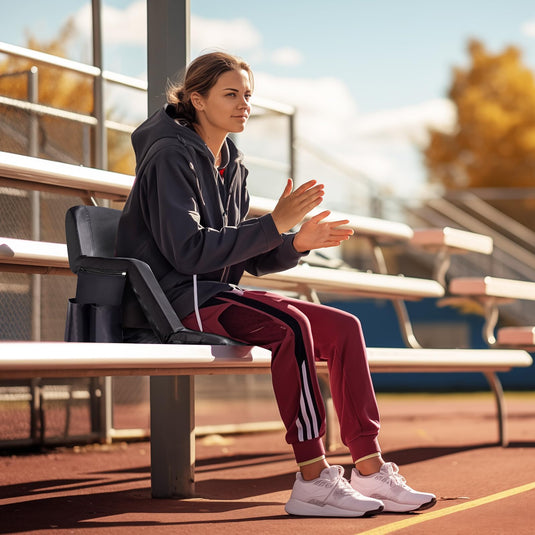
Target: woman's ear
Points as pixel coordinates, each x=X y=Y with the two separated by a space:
x=197 y=101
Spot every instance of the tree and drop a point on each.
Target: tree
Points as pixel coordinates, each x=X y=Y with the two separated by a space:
x=66 y=90
x=493 y=143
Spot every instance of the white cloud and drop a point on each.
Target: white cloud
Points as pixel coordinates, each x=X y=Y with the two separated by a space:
x=128 y=106
x=234 y=36
x=129 y=26
x=287 y=56
x=528 y=28
x=82 y=20
x=119 y=26
x=326 y=110
x=387 y=145
x=410 y=123
x=325 y=105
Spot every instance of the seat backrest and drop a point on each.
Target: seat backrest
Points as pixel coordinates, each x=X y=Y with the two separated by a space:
x=90 y=231
x=123 y=293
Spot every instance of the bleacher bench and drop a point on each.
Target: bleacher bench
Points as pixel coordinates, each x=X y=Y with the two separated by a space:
x=172 y=473
x=173 y=456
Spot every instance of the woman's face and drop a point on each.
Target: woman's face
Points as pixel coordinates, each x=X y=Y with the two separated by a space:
x=226 y=107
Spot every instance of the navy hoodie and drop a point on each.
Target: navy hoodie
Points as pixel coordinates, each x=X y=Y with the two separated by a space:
x=182 y=221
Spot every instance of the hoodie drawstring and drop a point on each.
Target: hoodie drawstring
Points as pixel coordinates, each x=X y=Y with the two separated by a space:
x=196 y=303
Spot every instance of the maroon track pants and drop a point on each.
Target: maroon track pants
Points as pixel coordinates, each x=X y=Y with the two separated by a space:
x=297 y=333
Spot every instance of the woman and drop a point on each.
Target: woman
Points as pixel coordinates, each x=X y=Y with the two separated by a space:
x=185 y=217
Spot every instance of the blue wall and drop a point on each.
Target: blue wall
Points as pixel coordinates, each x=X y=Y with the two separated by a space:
x=381 y=329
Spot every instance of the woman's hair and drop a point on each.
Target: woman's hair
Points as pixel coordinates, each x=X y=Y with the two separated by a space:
x=200 y=76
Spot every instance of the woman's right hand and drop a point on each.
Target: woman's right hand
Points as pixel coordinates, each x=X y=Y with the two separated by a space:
x=293 y=206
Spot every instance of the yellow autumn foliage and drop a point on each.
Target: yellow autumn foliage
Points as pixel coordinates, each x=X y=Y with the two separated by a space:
x=493 y=143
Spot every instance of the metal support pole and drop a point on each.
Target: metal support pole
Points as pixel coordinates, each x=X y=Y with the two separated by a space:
x=36 y=409
x=171 y=398
x=168 y=39
x=172 y=424
x=400 y=308
x=292 y=155
x=492 y=315
x=104 y=404
x=35 y=208
x=497 y=390
x=33 y=97
x=86 y=145
x=101 y=138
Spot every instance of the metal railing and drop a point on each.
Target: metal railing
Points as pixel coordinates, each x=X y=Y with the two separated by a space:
x=41 y=58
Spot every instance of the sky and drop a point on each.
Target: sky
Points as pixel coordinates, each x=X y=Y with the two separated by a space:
x=367 y=77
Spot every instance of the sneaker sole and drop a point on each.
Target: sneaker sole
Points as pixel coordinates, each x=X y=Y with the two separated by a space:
x=394 y=507
x=298 y=508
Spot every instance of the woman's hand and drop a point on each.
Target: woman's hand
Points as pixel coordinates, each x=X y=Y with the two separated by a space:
x=293 y=206
x=316 y=233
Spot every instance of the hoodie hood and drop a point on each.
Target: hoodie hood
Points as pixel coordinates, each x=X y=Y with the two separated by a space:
x=160 y=125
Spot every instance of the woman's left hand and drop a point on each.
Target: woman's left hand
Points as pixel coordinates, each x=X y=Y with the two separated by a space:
x=316 y=233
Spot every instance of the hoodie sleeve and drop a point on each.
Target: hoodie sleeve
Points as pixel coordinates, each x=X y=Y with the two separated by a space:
x=280 y=258
x=172 y=210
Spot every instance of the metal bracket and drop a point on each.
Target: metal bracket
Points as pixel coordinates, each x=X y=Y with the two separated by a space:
x=400 y=308
x=491 y=319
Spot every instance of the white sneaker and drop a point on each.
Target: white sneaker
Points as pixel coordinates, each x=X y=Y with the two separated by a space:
x=389 y=486
x=329 y=495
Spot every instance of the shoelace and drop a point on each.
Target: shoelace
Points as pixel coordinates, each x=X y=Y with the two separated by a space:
x=395 y=477
x=342 y=484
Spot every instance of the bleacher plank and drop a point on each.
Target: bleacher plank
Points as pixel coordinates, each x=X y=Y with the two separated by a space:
x=492 y=287
x=73 y=359
x=348 y=282
x=51 y=258
x=518 y=336
x=458 y=241
x=45 y=257
x=38 y=172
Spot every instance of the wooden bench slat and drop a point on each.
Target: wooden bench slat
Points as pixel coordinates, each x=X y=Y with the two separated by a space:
x=33 y=253
x=350 y=283
x=72 y=359
x=493 y=287
x=516 y=336
x=458 y=241
x=39 y=173
x=52 y=258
